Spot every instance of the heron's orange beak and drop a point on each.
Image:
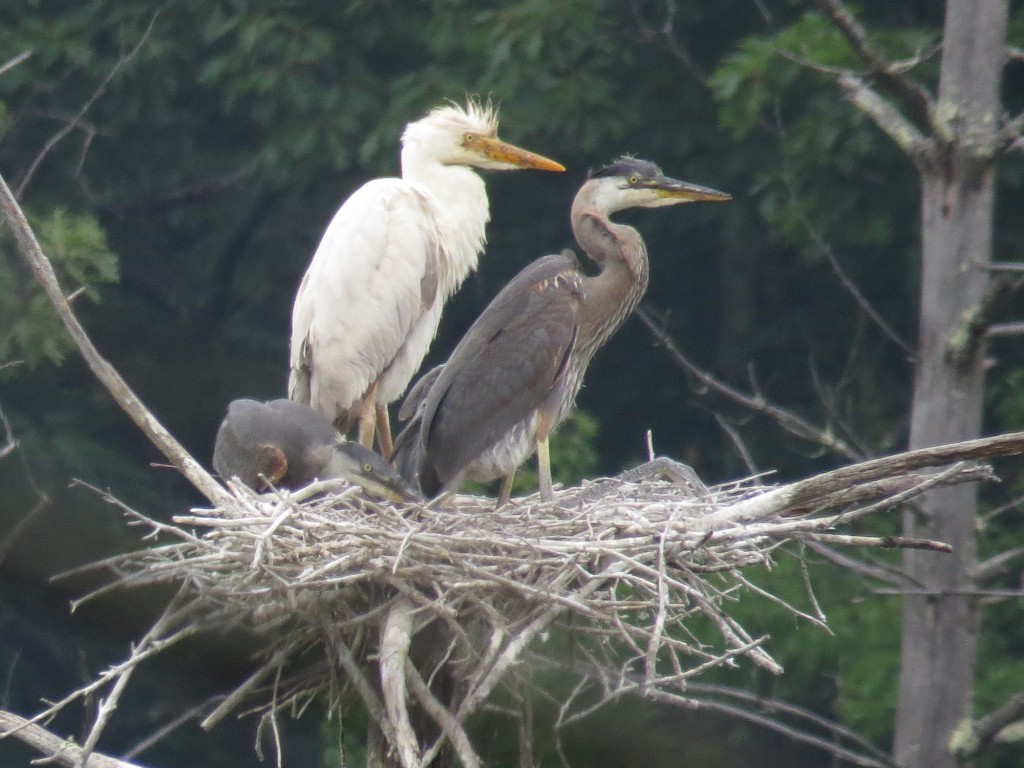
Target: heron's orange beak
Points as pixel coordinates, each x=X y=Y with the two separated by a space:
x=503 y=152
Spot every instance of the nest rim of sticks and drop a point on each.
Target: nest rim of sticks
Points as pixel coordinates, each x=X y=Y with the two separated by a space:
x=629 y=559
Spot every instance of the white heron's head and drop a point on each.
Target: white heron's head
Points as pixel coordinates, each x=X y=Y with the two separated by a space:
x=456 y=135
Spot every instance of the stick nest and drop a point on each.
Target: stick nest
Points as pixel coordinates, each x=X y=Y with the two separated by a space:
x=339 y=589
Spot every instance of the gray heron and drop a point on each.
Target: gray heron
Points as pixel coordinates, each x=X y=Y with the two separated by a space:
x=515 y=374
x=288 y=445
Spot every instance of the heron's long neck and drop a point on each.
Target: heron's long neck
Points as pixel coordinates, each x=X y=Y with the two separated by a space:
x=612 y=294
x=459 y=208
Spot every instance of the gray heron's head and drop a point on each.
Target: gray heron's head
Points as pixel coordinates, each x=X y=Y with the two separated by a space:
x=360 y=466
x=630 y=182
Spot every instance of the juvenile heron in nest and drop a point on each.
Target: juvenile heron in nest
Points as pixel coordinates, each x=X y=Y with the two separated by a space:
x=288 y=445
x=515 y=374
x=370 y=302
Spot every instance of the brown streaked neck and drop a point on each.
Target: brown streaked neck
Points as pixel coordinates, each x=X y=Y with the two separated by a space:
x=620 y=253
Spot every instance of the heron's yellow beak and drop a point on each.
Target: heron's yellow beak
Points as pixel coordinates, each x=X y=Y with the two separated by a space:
x=684 y=191
x=503 y=152
x=396 y=490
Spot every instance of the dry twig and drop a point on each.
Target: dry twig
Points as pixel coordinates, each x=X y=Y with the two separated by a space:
x=58 y=750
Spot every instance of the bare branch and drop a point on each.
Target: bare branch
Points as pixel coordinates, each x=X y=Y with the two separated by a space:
x=1011 y=136
x=861 y=568
x=1014 y=267
x=56 y=749
x=10 y=444
x=41 y=267
x=972 y=738
x=665 y=36
x=907 y=137
x=838 y=732
x=966 y=341
x=15 y=61
x=844 y=280
x=738 y=443
x=997 y=330
x=915 y=99
x=395 y=636
x=14 y=533
x=997 y=565
x=162 y=732
x=76 y=120
x=449 y=724
x=756 y=403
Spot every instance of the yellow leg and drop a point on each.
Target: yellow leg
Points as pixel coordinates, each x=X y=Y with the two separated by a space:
x=368 y=417
x=544 y=471
x=387 y=447
x=506 y=490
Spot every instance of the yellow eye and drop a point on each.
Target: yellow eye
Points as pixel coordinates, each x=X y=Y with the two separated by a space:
x=634 y=180
x=367 y=467
x=469 y=138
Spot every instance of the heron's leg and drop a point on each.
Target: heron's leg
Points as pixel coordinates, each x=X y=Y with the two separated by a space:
x=544 y=470
x=506 y=489
x=387 y=446
x=368 y=417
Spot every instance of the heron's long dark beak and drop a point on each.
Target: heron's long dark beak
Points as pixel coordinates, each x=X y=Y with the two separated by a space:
x=384 y=482
x=683 y=191
x=503 y=152
x=369 y=471
x=390 y=487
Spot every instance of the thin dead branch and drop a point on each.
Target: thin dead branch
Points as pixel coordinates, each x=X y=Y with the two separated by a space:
x=755 y=403
x=57 y=750
x=845 y=280
x=76 y=121
x=41 y=267
x=10 y=443
x=997 y=566
x=395 y=638
x=664 y=35
x=966 y=342
x=903 y=133
x=915 y=99
x=14 y=61
x=1011 y=136
x=972 y=738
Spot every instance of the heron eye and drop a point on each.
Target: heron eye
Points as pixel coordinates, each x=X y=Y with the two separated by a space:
x=367 y=467
x=634 y=180
x=469 y=138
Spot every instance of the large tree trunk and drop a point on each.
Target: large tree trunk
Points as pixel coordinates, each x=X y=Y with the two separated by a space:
x=940 y=625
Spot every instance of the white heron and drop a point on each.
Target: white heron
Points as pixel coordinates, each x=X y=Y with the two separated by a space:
x=370 y=302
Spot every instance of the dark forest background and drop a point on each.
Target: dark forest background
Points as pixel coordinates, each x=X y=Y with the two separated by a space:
x=180 y=161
